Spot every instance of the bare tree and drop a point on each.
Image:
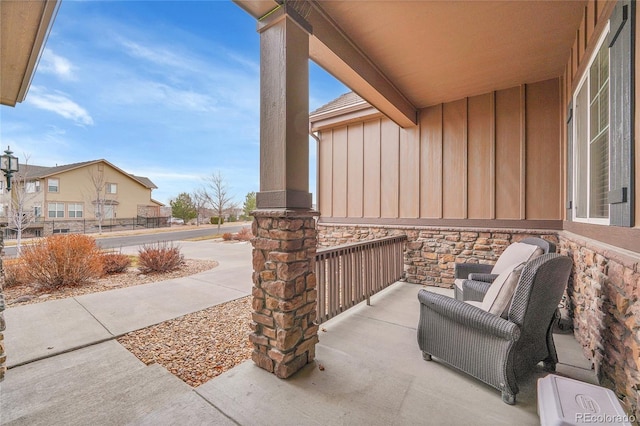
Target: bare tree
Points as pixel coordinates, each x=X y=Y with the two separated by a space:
x=200 y=200
x=22 y=211
x=99 y=198
x=217 y=193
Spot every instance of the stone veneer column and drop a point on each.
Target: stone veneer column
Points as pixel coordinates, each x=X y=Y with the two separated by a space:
x=284 y=290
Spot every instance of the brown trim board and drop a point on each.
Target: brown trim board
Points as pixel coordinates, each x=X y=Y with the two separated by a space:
x=618 y=236
x=447 y=223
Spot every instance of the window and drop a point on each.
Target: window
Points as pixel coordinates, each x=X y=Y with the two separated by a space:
x=56 y=210
x=111 y=188
x=591 y=140
x=109 y=212
x=37 y=210
x=33 y=186
x=53 y=185
x=75 y=210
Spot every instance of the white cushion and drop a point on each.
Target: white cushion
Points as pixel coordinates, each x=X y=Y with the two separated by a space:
x=458 y=283
x=474 y=303
x=516 y=253
x=498 y=297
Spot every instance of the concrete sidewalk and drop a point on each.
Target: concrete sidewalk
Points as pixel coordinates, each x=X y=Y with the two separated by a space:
x=46 y=329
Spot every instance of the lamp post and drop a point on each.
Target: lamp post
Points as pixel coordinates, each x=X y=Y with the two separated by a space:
x=8 y=165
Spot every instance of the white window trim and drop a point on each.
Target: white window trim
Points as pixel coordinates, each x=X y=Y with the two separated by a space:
x=57 y=186
x=596 y=221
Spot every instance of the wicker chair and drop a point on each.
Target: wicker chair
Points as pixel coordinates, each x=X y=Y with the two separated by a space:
x=488 y=347
x=478 y=276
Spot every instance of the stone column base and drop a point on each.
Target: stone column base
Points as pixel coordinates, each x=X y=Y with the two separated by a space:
x=284 y=290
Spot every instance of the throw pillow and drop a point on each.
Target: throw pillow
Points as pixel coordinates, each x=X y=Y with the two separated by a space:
x=498 y=297
x=514 y=254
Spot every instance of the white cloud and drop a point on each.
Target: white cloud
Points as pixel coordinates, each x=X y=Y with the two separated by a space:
x=51 y=63
x=60 y=104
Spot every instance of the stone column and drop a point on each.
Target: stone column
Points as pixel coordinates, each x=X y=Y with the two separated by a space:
x=284 y=290
x=284 y=295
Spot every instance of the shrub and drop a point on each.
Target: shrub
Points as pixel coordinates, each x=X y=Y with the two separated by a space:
x=227 y=236
x=215 y=219
x=60 y=260
x=244 y=234
x=15 y=272
x=159 y=257
x=115 y=263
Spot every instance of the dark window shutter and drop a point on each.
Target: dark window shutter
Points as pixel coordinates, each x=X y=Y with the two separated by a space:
x=621 y=101
x=570 y=159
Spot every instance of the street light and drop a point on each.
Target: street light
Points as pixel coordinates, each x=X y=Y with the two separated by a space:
x=9 y=165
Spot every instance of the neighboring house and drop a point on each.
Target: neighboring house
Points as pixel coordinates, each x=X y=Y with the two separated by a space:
x=73 y=197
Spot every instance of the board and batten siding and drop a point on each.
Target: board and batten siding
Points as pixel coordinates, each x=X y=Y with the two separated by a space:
x=492 y=156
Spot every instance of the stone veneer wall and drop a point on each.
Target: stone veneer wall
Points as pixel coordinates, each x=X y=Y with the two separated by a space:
x=431 y=253
x=603 y=294
x=603 y=289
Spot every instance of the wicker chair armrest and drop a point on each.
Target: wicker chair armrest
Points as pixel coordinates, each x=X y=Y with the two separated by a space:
x=487 y=278
x=462 y=270
x=474 y=290
x=469 y=315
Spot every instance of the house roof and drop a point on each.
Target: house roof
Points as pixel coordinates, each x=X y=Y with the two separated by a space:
x=349 y=99
x=24 y=27
x=40 y=172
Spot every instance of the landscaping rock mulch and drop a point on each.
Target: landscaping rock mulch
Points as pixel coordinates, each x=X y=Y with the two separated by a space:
x=199 y=346
x=25 y=294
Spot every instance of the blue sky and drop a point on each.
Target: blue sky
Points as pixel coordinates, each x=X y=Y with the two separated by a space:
x=164 y=89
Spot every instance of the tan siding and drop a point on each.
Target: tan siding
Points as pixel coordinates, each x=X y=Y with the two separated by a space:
x=476 y=158
x=76 y=187
x=355 y=183
x=340 y=172
x=454 y=159
x=390 y=150
x=582 y=35
x=590 y=19
x=409 y=173
x=481 y=148
x=508 y=172
x=543 y=156
x=325 y=176
x=574 y=58
x=431 y=162
x=372 y=168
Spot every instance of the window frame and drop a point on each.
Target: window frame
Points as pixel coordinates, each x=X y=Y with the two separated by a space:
x=57 y=185
x=72 y=210
x=109 y=186
x=57 y=211
x=585 y=80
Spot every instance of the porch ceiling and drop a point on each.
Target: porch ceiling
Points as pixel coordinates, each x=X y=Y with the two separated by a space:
x=24 y=26
x=430 y=52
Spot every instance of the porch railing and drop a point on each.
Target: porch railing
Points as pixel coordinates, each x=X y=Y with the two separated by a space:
x=348 y=274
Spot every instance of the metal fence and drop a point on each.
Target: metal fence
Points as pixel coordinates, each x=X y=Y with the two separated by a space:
x=348 y=274
x=43 y=228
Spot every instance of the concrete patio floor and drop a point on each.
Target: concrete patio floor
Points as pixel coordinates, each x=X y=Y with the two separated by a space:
x=373 y=374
